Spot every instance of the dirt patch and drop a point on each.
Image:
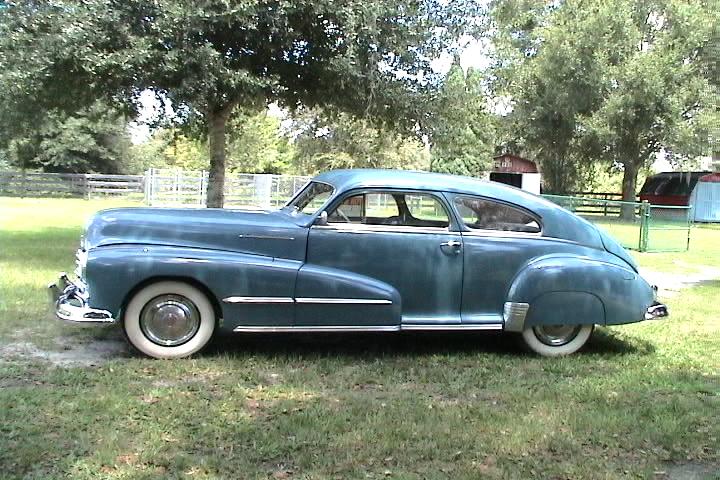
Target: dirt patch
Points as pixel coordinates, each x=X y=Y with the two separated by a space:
x=72 y=353
x=670 y=284
x=689 y=471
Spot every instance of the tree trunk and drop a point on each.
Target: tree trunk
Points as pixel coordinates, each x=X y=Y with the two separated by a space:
x=629 y=184
x=217 y=123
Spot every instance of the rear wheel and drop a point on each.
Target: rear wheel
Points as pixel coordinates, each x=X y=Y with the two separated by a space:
x=556 y=340
x=169 y=319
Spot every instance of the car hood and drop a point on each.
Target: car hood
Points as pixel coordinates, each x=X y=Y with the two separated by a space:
x=268 y=233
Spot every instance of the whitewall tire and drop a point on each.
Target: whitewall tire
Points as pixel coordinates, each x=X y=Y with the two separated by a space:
x=556 y=340
x=169 y=319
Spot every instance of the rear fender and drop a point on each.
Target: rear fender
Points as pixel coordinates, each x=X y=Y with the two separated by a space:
x=579 y=290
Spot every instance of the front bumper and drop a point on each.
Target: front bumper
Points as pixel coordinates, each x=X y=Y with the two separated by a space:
x=69 y=300
x=656 y=311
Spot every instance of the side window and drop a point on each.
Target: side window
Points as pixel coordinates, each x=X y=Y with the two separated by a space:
x=391 y=208
x=482 y=214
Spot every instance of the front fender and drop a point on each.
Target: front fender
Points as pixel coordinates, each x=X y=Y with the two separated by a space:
x=580 y=290
x=113 y=272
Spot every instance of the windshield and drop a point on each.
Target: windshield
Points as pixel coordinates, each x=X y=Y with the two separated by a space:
x=311 y=198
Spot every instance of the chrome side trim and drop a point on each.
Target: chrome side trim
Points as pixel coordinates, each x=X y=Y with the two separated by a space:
x=317 y=328
x=453 y=327
x=258 y=300
x=364 y=328
x=514 y=314
x=346 y=301
x=266 y=237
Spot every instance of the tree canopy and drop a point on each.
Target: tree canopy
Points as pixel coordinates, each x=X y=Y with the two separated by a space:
x=208 y=57
x=613 y=81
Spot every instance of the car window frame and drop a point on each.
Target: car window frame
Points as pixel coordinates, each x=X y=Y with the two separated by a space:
x=324 y=206
x=453 y=225
x=487 y=232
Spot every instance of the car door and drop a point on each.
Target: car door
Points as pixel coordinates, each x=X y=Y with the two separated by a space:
x=498 y=240
x=397 y=246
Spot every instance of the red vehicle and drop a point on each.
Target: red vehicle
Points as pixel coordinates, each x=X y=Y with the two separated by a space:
x=670 y=188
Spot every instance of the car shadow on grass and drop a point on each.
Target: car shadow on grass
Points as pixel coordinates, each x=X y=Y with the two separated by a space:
x=378 y=345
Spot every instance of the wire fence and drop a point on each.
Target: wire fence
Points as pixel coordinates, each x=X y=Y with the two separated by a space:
x=635 y=225
x=166 y=188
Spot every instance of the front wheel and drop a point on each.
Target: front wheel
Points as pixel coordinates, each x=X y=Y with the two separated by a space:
x=169 y=320
x=556 y=340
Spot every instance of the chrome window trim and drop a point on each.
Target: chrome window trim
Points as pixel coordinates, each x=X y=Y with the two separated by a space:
x=468 y=229
x=436 y=195
x=479 y=232
x=361 y=228
x=322 y=207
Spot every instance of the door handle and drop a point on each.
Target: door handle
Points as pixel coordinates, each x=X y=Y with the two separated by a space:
x=451 y=243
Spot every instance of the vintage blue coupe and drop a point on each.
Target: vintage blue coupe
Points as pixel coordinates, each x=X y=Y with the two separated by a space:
x=356 y=251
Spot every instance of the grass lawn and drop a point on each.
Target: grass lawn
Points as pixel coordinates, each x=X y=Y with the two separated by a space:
x=643 y=401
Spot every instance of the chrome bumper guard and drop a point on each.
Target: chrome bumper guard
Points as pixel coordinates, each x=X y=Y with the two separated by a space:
x=69 y=301
x=656 y=311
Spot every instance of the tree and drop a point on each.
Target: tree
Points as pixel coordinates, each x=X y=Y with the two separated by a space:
x=328 y=142
x=257 y=144
x=606 y=81
x=652 y=90
x=93 y=140
x=460 y=129
x=212 y=56
x=545 y=64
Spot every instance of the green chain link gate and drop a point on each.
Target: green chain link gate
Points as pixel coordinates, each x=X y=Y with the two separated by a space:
x=635 y=225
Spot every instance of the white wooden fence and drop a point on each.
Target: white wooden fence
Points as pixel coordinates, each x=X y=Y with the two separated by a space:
x=32 y=184
x=160 y=188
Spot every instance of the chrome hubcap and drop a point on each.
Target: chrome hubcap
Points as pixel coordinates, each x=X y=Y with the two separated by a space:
x=556 y=335
x=170 y=320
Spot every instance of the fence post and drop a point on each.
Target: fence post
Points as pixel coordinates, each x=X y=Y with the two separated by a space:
x=644 y=225
x=22 y=183
x=85 y=186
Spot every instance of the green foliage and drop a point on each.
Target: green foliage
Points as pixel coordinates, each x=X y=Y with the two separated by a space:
x=169 y=148
x=342 y=141
x=460 y=129
x=207 y=57
x=257 y=145
x=606 y=81
x=93 y=140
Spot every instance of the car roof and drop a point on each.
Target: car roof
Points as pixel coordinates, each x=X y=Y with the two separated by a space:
x=344 y=180
x=558 y=222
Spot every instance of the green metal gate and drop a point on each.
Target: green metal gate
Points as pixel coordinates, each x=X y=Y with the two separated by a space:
x=635 y=225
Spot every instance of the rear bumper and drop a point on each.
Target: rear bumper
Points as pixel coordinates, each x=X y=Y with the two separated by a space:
x=656 y=311
x=69 y=301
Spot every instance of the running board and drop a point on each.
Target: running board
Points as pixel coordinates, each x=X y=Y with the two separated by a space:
x=368 y=328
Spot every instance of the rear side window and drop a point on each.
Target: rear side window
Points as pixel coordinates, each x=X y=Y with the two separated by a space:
x=484 y=214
